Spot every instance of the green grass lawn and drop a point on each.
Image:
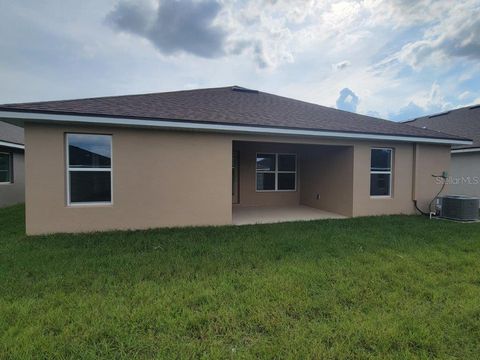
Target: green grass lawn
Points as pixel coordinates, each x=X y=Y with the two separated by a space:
x=394 y=287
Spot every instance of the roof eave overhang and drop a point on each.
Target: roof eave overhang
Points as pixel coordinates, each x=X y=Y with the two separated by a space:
x=20 y=117
x=9 y=144
x=466 y=150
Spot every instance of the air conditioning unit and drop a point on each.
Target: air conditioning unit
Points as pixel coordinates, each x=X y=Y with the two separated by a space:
x=459 y=207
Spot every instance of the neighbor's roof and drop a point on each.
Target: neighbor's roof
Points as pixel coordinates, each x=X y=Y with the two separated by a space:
x=228 y=105
x=463 y=122
x=11 y=135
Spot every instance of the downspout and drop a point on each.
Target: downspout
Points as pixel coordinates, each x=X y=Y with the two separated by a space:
x=414 y=173
x=414 y=180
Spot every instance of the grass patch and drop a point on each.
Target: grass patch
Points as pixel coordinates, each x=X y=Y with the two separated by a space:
x=394 y=287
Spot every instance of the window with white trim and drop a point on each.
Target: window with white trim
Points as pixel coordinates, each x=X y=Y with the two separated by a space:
x=89 y=169
x=5 y=168
x=381 y=172
x=276 y=172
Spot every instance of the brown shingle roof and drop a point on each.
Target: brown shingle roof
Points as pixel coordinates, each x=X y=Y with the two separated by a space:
x=463 y=122
x=228 y=105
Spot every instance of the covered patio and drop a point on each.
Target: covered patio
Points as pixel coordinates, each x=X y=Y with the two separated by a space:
x=280 y=182
x=249 y=215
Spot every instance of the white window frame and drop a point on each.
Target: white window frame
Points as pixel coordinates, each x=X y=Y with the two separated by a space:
x=276 y=172
x=389 y=196
x=10 y=169
x=68 y=169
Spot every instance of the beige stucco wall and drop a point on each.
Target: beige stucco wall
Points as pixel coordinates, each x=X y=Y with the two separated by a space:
x=429 y=160
x=167 y=178
x=413 y=166
x=465 y=174
x=327 y=178
x=14 y=192
x=401 y=200
x=159 y=179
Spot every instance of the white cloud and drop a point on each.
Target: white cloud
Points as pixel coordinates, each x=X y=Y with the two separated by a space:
x=433 y=98
x=422 y=103
x=341 y=65
x=273 y=33
x=304 y=49
x=464 y=95
x=455 y=32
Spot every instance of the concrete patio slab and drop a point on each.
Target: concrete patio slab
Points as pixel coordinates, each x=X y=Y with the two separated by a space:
x=245 y=215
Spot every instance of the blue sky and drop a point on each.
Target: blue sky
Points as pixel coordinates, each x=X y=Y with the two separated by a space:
x=395 y=59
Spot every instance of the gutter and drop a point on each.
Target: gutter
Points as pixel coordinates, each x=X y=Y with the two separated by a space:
x=12 y=145
x=468 y=150
x=21 y=117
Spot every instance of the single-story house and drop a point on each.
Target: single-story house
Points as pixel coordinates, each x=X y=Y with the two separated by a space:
x=464 y=171
x=12 y=173
x=215 y=157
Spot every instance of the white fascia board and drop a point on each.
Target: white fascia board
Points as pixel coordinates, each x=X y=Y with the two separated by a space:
x=460 y=151
x=12 y=145
x=20 y=117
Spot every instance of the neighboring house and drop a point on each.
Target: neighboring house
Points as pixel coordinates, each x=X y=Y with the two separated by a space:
x=464 y=171
x=12 y=174
x=201 y=157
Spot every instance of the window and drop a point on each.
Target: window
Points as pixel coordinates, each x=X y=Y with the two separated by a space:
x=276 y=172
x=89 y=169
x=381 y=172
x=5 y=168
